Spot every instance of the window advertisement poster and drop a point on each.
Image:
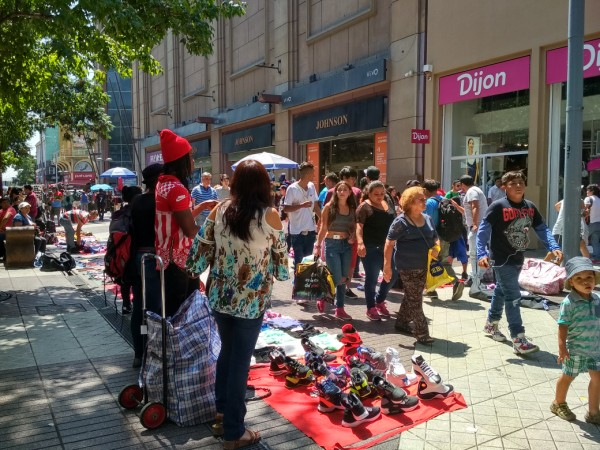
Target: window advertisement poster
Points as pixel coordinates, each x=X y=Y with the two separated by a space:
x=473 y=147
x=381 y=155
x=312 y=155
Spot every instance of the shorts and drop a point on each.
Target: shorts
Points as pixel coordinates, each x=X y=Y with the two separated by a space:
x=577 y=364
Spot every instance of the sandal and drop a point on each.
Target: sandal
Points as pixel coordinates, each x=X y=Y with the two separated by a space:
x=425 y=339
x=248 y=438
x=217 y=427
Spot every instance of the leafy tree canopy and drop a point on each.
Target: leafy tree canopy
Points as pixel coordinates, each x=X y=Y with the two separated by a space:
x=51 y=52
x=25 y=170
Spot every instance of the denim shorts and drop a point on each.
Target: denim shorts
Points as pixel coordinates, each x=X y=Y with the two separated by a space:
x=577 y=364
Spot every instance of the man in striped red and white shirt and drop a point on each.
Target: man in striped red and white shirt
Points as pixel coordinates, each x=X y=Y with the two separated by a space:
x=174 y=223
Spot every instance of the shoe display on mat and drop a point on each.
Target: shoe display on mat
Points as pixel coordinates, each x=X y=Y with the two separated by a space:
x=310 y=346
x=373 y=315
x=342 y=374
x=359 y=384
x=376 y=359
x=298 y=374
x=322 y=371
x=395 y=371
x=321 y=306
x=522 y=346
x=430 y=384
x=277 y=365
x=330 y=396
x=491 y=328
x=341 y=314
x=457 y=290
x=430 y=294
x=394 y=399
x=349 y=336
x=563 y=411
x=592 y=418
x=382 y=310
x=350 y=294
x=368 y=369
x=356 y=413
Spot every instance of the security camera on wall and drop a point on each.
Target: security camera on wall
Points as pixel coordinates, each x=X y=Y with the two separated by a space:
x=428 y=71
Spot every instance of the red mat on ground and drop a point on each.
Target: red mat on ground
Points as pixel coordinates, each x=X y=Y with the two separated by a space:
x=300 y=408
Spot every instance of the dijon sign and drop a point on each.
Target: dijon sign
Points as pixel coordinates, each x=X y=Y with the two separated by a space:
x=332 y=122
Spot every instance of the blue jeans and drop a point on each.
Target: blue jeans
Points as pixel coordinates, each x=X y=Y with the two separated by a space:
x=238 y=338
x=69 y=232
x=373 y=263
x=303 y=246
x=594 y=229
x=338 y=255
x=507 y=295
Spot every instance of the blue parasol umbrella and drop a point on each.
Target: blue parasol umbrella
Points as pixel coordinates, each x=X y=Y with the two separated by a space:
x=97 y=187
x=118 y=172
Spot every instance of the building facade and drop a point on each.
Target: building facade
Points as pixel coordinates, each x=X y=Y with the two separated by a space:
x=351 y=82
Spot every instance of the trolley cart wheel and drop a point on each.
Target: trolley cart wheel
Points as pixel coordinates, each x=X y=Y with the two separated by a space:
x=131 y=396
x=153 y=415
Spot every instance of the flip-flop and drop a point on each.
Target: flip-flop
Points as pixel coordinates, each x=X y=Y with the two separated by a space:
x=252 y=438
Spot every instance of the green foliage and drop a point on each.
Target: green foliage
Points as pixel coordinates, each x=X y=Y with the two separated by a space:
x=51 y=52
x=25 y=170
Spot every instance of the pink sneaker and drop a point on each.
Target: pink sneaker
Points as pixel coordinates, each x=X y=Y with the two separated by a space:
x=321 y=306
x=382 y=310
x=373 y=314
x=341 y=314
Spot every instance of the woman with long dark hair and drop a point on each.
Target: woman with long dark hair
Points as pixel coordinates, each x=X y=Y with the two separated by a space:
x=174 y=221
x=244 y=243
x=338 y=231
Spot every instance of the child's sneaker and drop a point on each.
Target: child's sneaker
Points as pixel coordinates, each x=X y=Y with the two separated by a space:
x=563 y=411
x=593 y=418
x=491 y=328
x=522 y=346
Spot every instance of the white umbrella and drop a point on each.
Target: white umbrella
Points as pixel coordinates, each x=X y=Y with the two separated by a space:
x=270 y=161
x=118 y=172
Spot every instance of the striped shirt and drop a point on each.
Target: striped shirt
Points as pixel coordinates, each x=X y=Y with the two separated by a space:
x=200 y=194
x=582 y=316
x=171 y=243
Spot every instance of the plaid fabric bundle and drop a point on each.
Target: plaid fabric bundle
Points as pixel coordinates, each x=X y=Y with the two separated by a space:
x=193 y=346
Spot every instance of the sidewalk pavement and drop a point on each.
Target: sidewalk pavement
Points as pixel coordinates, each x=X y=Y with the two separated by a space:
x=65 y=356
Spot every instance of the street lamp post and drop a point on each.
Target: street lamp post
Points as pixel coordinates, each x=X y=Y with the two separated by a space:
x=103 y=162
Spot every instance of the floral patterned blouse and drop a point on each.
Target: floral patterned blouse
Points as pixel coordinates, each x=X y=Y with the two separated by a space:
x=241 y=275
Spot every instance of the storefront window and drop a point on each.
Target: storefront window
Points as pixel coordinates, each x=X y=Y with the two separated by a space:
x=591 y=130
x=489 y=136
x=355 y=151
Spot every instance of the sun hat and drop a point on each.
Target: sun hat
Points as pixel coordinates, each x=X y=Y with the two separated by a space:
x=23 y=205
x=172 y=146
x=579 y=264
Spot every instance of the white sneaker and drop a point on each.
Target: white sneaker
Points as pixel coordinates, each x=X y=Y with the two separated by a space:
x=522 y=346
x=395 y=371
x=491 y=328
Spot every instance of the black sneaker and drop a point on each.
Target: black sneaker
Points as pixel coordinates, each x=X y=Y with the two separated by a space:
x=394 y=399
x=350 y=294
x=356 y=413
x=277 y=366
x=457 y=290
x=298 y=374
x=368 y=369
x=330 y=396
x=376 y=359
x=359 y=384
x=310 y=347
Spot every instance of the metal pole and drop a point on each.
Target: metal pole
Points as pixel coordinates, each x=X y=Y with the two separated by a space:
x=574 y=132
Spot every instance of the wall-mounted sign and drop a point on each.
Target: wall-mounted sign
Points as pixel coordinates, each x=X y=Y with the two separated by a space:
x=154 y=157
x=507 y=76
x=420 y=136
x=557 y=59
x=312 y=155
x=248 y=139
x=348 y=118
x=381 y=155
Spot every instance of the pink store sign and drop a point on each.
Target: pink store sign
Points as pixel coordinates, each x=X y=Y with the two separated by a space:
x=507 y=76
x=557 y=62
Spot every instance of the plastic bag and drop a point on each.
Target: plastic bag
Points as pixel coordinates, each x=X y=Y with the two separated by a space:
x=436 y=274
x=313 y=282
x=542 y=277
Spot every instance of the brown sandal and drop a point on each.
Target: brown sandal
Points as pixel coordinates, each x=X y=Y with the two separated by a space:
x=217 y=427
x=248 y=438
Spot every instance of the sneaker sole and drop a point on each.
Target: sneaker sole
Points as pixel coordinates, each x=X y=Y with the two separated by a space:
x=327 y=409
x=396 y=410
x=360 y=422
x=459 y=292
x=526 y=352
x=372 y=319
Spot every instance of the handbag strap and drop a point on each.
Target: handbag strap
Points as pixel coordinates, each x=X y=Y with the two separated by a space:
x=419 y=229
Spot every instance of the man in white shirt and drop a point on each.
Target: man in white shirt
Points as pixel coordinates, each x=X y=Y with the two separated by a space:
x=475 y=205
x=301 y=203
x=496 y=192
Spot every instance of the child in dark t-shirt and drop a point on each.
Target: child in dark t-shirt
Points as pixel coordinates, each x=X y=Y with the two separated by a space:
x=507 y=222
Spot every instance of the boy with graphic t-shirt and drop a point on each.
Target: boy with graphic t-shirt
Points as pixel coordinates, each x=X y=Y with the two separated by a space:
x=508 y=221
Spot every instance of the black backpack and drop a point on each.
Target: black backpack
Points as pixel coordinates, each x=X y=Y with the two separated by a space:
x=450 y=226
x=64 y=262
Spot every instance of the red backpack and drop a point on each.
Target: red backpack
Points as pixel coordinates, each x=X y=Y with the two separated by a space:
x=118 y=247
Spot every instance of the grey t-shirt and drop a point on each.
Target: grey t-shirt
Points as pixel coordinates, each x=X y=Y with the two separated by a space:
x=474 y=193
